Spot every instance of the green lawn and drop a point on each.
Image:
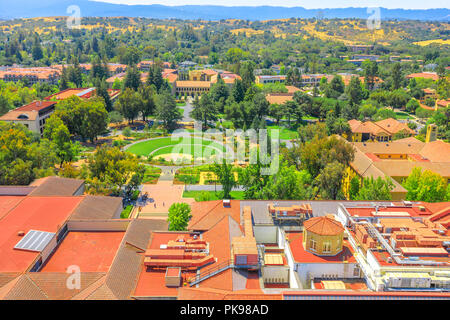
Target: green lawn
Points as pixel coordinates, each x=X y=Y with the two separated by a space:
x=285 y=133
x=144 y=148
x=151 y=175
x=211 y=195
x=188 y=150
x=126 y=212
x=402 y=115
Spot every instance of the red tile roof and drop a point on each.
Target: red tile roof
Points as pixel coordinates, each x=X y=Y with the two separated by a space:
x=206 y=214
x=36 y=106
x=323 y=226
x=32 y=213
x=91 y=251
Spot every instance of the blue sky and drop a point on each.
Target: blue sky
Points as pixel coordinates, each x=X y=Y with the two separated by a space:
x=315 y=4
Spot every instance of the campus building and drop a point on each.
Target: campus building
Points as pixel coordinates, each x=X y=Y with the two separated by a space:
x=31 y=75
x=231 y=249
x=396 y=160
x=33 y=115
x=382 y=131
x=270 y=79
x=426 y=75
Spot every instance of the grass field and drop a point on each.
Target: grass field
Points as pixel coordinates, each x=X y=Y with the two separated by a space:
x=211 y=195
x=126 y=212
x=285 y=133
x=402 y=115
x=167 y=144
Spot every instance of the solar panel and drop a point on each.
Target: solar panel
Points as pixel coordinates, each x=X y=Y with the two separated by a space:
x=35 y=240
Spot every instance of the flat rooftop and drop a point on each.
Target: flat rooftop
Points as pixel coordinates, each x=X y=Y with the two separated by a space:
x=32 y=213
x=7 y=203
x=92 y=251
x=151 y=282
x=386 y=212
x=302 y=256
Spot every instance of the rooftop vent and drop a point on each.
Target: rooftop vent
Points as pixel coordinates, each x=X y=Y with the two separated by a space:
x=407 y=203
x=226 y=203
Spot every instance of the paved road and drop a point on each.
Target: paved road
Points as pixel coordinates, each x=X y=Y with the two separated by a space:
x=187 y=110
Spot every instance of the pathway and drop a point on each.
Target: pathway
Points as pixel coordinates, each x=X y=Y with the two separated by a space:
x=162 y=195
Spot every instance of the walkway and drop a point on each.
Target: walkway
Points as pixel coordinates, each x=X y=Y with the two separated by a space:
x=162 y=195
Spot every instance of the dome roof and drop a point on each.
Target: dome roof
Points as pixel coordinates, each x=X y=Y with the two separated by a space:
x=323 y=226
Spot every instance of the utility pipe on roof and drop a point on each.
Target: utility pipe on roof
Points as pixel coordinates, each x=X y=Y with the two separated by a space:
x=391 y=251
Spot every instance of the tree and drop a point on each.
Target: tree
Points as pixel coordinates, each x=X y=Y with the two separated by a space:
x=56 y=131
x=238 y=91
x=146 y=101
x=166 y=110
x=375 y=189
x=4 y=105
x=354 y=188
x=128 y=104
x=219 y=93
x=225 y=176
x=425 y=186
x=287 y=184
x=112 y=168
x=247 y=74
x=22 y=158
x=354 y=91
x=253 y=181
x=132 y=79
x=131 y=56
x=335 y=88
x=204 y=109
x=178 y=217
x=397 y=78
x=398 y=98
x=412 y=105
x=85 y=118
x=370 y=72
x=330 y=179
x=316 y=154
x=304 y=102
x=37 y=49
x=102 y=91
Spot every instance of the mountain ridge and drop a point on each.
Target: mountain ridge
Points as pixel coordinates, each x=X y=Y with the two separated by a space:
x=47 y=8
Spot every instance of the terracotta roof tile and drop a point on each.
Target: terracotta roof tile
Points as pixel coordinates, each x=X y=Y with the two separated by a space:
x=323 y=226
x=98 y=207
x=57 y=186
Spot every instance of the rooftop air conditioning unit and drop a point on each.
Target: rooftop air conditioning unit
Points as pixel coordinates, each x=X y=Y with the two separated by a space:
x=163 y=246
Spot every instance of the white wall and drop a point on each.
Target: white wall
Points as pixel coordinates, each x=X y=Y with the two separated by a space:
x=319 y=270
x=341 y=216
x=265 y=234
x=275 y=274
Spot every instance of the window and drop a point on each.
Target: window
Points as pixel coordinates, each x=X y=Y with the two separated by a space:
x=356 y=271
x=327 y=247
x=313 y=245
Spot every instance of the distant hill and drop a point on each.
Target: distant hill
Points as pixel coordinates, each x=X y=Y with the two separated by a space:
x=10 y=9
